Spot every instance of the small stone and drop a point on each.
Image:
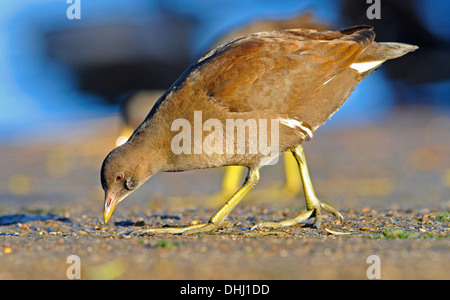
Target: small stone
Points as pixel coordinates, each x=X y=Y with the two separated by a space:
x=139 y=223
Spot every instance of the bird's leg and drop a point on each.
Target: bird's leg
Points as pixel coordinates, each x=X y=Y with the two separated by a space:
x=231 y=180
x=312 y=202
x=292 y=179
x=313 y=205
x=218 y=218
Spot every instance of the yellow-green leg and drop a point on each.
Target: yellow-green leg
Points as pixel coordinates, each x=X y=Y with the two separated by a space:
x=218 y=218
x=291 y=172
x=233 y=174
x=231 y=180
x=313 y=205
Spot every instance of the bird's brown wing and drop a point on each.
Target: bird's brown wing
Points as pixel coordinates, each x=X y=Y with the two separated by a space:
x=280 y=70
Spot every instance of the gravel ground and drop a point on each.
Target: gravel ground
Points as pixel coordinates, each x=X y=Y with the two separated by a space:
x=391 y=181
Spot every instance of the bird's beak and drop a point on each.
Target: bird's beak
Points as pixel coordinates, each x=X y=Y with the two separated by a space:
x=110 y=204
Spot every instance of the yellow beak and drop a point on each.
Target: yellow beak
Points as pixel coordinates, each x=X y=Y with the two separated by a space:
x=109 y=205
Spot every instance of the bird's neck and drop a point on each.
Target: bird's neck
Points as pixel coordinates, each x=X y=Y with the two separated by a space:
x=147 y=146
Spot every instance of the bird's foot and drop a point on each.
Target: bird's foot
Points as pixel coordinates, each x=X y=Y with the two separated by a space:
x=327 y=208
x=286 y=223
x=314 y=211
x=191 y=229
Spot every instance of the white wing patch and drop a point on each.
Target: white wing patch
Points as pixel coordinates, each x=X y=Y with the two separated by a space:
x=306 y=130
x=366 y=66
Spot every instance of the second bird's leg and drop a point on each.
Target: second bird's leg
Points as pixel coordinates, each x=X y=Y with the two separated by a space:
x=313 y=205
x=218 y=218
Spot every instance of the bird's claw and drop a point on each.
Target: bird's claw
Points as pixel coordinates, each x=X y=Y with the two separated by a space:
x=314 y=212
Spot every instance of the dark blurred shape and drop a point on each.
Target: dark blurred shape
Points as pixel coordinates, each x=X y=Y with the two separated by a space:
x=110 y=59
x=24 y=218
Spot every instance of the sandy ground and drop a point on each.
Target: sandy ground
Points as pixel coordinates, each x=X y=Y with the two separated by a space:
x=391 y=181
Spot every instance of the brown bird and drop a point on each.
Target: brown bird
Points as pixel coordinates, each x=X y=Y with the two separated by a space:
x=277 y=86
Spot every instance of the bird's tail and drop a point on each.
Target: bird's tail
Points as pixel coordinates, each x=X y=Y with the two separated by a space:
x=385 y=51
x=377 y=53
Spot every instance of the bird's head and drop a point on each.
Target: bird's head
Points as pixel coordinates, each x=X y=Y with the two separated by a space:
x=122 y=172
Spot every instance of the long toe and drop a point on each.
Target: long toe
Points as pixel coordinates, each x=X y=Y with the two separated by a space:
x=286 y=223
x=203 y=227
x=332 y=211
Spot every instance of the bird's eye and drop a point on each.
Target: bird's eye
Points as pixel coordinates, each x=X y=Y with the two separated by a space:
x=119 y=177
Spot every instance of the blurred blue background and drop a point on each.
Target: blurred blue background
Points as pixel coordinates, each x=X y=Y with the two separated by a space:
x=54 y=70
